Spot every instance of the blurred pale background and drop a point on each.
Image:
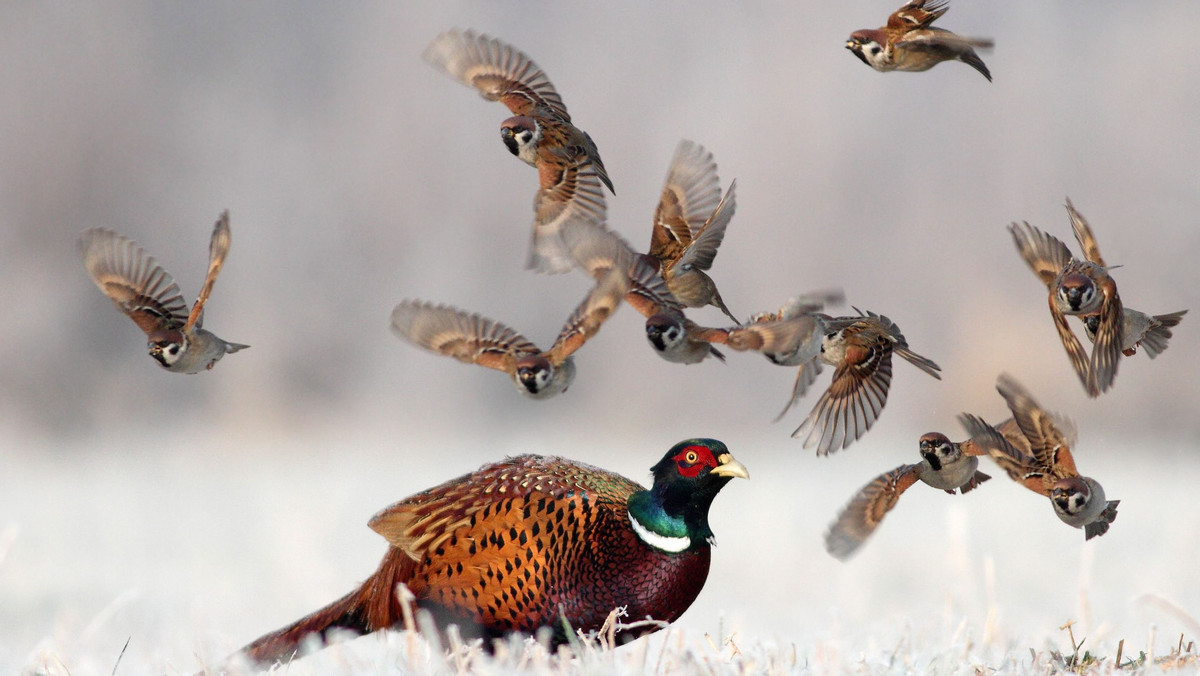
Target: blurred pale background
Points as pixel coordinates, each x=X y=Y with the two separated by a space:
x=214 y=507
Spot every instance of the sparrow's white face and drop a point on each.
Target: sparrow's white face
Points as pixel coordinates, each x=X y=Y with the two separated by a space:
x=167 y=347
x=534 y=374
x=833 y=347
x=867 y=49
x=937 y=450
x=1077 y=293
x=664 y=333
x=521 y=136
x=1077 y=501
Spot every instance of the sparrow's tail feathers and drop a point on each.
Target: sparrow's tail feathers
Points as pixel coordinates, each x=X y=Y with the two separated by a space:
x=972 y=59
x=1155 y=340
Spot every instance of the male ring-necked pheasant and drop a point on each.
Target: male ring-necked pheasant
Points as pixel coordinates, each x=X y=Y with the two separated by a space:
x=531 y=541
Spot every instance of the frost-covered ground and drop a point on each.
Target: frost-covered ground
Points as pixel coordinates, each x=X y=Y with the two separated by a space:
x=190 y=554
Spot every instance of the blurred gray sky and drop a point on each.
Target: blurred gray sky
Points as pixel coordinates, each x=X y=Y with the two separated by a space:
x=357 y=175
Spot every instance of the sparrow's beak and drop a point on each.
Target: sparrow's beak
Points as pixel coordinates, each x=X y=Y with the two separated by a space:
x=730 y=467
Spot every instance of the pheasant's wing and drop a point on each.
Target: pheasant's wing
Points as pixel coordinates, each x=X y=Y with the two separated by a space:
x=1045 y=254
x=863 y=514
x=498 y=70
x=467 y=337
x=501 y=530
x=134 y=281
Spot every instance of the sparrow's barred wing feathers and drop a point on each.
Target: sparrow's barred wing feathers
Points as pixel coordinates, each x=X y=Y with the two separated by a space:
x=468 y=337
x=1045 y=254
x=863 y=514
x=218 y=249
x=498 y=70
x=690 y=195
x=1083 y=235
x=569 y=194
x=135 y=282
x=601 y=302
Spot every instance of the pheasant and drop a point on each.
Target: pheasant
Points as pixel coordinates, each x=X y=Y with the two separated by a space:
x=536 y=541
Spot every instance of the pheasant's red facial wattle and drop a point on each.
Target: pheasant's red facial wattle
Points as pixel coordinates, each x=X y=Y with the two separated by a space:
x=694 y=459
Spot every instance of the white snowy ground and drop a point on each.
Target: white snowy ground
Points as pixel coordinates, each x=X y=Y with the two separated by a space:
x=191 y=553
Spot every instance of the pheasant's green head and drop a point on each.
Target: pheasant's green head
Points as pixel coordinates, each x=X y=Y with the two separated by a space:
x=673 y=514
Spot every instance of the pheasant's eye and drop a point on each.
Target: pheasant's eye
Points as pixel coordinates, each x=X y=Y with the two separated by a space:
x=691 y=458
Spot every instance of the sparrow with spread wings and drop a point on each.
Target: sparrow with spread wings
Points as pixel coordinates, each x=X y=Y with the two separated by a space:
x=946 y=465
x=1085 y=288
x=1035 y=450
x=148 y=295
x=540 y=133
x=689 y=225
x=473 y=339
x=910 y=43
x=673 y=336
x=860 y=350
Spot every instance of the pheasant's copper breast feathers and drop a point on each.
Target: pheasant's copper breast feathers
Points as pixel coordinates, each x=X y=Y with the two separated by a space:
x=135 y=282
x=517 y=542
x=1045 y=254
x=467 y=337
x=862 y=515
x=499 y=71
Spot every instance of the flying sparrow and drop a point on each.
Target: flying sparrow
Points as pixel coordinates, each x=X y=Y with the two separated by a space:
x=946 y=465
x=689 y=225
x=473 y=339
x=1082 y=288
x=860 y=348
x=148 y=295
x=540 y=133
x=1035 y=451
x=1139 y=330
x=673 y=336
x=910 y=43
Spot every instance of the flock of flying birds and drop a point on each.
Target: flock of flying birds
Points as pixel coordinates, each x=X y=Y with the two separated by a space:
x=689 y=224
